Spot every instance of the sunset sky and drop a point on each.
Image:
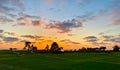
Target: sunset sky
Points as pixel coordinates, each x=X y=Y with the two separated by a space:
x=73 y=24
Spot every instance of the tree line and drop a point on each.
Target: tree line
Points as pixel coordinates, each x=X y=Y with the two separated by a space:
x=55 y=48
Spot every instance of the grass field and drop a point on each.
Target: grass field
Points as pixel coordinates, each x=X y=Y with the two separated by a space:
x=65 y=61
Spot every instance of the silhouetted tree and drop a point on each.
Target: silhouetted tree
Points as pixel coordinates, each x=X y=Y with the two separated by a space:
x=33 y=48
x=10 y=49
x=89 y=49
x=55 y=47
x=102 y=48
x=92 y=49
x=97 y=49
x=47 y=47
x=116 y=48
x=83 y=49
x=59 y=49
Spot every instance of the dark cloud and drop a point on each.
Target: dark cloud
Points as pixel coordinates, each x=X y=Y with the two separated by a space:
x=67 y=41
x=28 y=36
x=117 y=40
x=12 y=15
x=38 y=22
x=101 y=33
x=51 y=9
x=87 y=17
x=61 y=27
x=4 y=19
x=24 y=15
x=119 y=35
x=103 y=43
x=1 y=31
x=23 y=21
x=64 y=27
x=107 y=31
x=75 y=42
x=28 y=20
x=32 y=36
x=10 y=39
x=9 y=10
x=91 y=39
x=4 y=9
x=1 y=36
x=24 y=41
x=20 y=18
x=107 y=38
x=10 y=33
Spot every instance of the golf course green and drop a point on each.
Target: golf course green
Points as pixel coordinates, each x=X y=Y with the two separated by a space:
x=64 y=61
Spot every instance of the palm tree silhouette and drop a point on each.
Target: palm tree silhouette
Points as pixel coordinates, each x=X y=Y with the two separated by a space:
x=27 y=45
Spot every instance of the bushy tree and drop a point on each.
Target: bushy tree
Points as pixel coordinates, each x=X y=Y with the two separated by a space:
x=55 y=48
x=116 y=48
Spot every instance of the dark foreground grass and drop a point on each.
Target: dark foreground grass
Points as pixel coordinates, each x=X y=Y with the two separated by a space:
x=65 y=61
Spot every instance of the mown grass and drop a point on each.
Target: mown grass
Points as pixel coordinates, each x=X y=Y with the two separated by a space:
x=65 y=61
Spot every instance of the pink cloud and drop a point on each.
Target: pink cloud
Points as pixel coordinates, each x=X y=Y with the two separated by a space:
x=27 y=20
x=38 y=23
x=115 y=17
x=48 y=1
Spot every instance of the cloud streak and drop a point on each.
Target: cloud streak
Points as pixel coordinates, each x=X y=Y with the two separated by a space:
x=67 y=41
x=31 y=36
x=10 y=39
x=92 y=39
